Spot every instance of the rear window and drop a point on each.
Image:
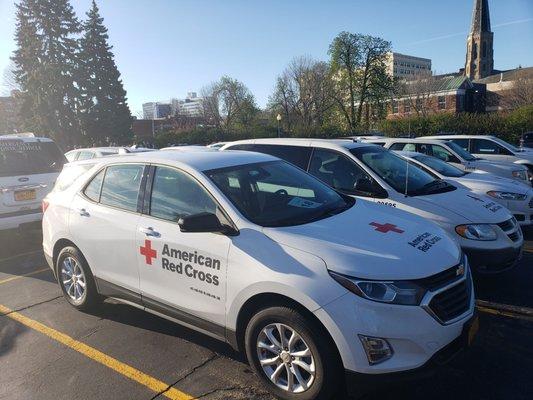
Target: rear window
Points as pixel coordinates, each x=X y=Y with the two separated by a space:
x=27 y=158
x=69 y=174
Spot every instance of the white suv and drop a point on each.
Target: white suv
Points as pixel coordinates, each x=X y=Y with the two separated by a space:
x=314 y=286
x=493 y=149
x=29 y=167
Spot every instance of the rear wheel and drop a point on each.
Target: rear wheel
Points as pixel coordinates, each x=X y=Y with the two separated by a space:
x=294 y=360
x=75 y=279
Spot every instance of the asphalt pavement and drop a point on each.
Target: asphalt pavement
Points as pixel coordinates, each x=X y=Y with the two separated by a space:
x=48 y=350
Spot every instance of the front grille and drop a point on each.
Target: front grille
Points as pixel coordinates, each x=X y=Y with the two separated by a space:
x=439 y=280
x=514 y=236
x=506 y=225
x=452 y=302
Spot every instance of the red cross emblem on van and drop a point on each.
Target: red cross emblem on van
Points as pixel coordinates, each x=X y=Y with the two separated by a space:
x=384 y=228
x=148 y=252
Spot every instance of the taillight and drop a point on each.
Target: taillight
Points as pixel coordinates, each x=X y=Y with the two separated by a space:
x=45 y=203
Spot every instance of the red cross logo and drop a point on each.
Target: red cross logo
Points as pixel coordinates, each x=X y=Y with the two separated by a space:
x=385 y=228
x=148 y=252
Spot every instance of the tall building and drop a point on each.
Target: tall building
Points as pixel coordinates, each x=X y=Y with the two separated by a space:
x=155 y=110
x=407 y=67
x=479 y=47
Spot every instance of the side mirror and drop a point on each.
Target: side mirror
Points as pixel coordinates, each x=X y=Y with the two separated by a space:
x=203 y=222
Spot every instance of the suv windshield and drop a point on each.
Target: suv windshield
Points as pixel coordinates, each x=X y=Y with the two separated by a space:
x=465 y=155
x=276 y=193
x=440 y=166
x=399 y=173
x=26 y=158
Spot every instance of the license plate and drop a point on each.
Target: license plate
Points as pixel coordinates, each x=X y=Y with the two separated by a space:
x=472 y=330
x=25 y=195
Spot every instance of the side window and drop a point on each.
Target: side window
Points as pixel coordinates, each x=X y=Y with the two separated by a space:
x=121 y=186
x=85 y=155
x=461 y=142
x=92 y=190
x=484 y=146
x=297 y=155
x=176 y=194
x=443 y=154
x=403 y=146
x=336 y=170
x=71 y=155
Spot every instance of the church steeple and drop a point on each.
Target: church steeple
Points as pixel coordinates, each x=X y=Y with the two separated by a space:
x=479 y=51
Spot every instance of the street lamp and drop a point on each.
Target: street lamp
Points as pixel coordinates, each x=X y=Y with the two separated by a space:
x=278 y=118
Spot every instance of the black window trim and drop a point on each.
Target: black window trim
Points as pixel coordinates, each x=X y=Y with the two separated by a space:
x=384 y=194
x=104 y=168
x=145 y=205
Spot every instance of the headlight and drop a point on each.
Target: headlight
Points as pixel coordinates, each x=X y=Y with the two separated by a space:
x=506 y=195
x=476 y=232
x=522 y=174
x=393 y=292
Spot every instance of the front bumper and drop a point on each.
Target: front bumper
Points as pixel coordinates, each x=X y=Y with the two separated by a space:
x=358 y=384
x=493 y=261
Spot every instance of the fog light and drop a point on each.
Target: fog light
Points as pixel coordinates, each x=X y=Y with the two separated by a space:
x=377 y=350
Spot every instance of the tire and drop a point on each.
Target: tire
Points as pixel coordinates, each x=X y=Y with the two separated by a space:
x=71 y=262
x=267 y=324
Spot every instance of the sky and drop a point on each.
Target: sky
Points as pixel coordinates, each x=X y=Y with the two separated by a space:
x=166 y=48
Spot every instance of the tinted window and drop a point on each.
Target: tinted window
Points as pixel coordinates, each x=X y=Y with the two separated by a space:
x=461 y=142
x=336 y=170
x=277 y=194
x=403 y=146
x=440 y=166
x=121 y=186
x=25 y=158
x=92 y=190
x=176 y=194
x=296 y=155
x=69 y=174
x=483 y=146
x=85 y=155
x=443 y=154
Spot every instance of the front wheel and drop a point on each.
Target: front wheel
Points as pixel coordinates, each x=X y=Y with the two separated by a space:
x=294 y=360
x=75 y=279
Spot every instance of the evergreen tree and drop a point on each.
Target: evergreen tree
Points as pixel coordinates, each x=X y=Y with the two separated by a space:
x=106 y=115
x=46 y=65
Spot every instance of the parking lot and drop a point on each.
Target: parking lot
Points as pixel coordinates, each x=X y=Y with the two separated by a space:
x=48 y=350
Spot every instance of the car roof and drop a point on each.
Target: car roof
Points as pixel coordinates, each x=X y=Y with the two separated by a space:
x=324 y=143
x=407 y=140
x=197 y=160
x=98 y=149
x=458 y=137
x=26 y=139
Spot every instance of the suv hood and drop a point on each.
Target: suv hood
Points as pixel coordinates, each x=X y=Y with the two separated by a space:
x=374 y=242
x=486 y=182
x=465 y=204
x=490 y=166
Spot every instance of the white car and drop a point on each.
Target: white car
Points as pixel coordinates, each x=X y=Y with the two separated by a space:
x=96 y=152
x=493 y=149
x=217 y=145
x=314 y=286
x=515 y=196
x=454 y=154
x=486 y=231
x=29 y=166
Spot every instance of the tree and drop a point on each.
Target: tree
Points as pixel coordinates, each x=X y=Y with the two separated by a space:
x=521 y=92
x=46 y=67
x=9 y=80
x=358 y=67
x=417 y=92
x=106 y=117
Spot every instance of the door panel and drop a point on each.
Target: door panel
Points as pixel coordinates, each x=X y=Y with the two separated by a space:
x=186 y=271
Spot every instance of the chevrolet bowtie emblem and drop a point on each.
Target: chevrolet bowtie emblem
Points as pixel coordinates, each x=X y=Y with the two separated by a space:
x=460 y=270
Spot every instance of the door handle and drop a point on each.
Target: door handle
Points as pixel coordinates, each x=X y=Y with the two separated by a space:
x=83 y=212
x=149 y=232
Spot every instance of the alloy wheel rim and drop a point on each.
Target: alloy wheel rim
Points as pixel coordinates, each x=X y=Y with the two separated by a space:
x=285 y=358
x=73 y=280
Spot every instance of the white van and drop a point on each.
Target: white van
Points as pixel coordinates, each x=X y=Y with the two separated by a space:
x=493 y=149
x=317 y=288
x=29 y=166
x=487 y=232
x=454 y=154
x=515 y=196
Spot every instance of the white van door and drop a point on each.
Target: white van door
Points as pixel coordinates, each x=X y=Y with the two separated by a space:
x=181 y=274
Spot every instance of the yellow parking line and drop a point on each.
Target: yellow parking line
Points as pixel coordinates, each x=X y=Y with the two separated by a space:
x=150 y=382
x=23 y=275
